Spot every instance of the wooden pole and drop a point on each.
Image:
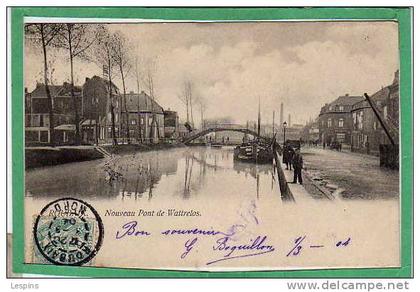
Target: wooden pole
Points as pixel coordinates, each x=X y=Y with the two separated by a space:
x=381 y=121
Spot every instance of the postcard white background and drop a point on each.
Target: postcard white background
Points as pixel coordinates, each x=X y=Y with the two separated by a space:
x=170 y=285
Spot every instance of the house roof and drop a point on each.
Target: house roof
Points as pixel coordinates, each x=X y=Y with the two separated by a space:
x=378 y=97
x=346 y=100
x=103 y=82
x=143 y=102
x=55 y=90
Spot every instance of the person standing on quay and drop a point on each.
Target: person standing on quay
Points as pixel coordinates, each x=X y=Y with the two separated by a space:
x=297 y=162
x=288 y=156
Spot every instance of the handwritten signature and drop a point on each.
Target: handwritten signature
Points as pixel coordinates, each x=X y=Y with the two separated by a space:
x=225 y=245
x=255 y=246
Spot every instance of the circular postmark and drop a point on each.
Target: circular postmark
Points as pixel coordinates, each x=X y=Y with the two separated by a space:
x=68 y=231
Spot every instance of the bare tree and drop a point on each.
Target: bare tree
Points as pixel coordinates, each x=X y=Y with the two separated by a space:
x=149 y=80
x=76 y=38
x=185 y=99
x=203 y=106
x=191 y=100
x=103 y=54
x=42 y=35
x=140 y=138
x=121 y=57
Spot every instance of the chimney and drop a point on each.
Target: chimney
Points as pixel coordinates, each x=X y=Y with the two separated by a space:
x=86 y=79
x=26 y=90
x=396 y=77
x=281 y=114
x=290 y=121
x=347 y=94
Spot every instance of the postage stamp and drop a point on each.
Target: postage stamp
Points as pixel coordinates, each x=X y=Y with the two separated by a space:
x=67 y=232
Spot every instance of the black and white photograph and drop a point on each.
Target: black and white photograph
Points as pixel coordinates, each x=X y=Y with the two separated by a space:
x=212 y=146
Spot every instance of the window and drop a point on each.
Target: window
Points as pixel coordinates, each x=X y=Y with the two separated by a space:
x=43 y=136
x=341 y=108
x=330 y=108
x=46 y=119
x=360 y=120
x=375 y=126
x=329 y=123
x=361 y=143
x=385 y=111
x=341 y=123
x=341 y=137
x=133 y=122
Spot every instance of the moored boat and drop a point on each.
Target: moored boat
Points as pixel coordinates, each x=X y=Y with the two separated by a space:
x=255 y=151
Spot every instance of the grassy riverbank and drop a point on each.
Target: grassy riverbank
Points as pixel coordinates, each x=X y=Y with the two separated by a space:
x=131 y=148
x=47 y=156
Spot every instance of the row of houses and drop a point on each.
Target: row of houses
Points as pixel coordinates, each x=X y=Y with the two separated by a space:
x=147 y=120
x=351 y=120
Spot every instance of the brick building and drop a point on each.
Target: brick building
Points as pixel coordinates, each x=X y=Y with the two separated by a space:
x=37 y=118
x=335 y=120
x=171 y=123
x=310 y=132
x=96 y=125
x=367 y=133
x=141 y=108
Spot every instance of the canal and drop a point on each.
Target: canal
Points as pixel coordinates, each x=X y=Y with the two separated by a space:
x=211 y=192
x=188 y=173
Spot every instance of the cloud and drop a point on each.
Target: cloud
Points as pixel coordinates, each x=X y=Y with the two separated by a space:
x=232 y=66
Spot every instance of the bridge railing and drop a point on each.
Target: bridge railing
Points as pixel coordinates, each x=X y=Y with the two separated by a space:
x=223 y=126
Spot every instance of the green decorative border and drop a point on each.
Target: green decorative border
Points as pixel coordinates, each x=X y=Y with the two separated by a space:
x=403 y=15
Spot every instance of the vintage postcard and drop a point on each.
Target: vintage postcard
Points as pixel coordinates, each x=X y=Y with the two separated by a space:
x=213 y=146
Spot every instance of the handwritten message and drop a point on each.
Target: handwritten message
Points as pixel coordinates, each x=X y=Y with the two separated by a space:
x=224 y=244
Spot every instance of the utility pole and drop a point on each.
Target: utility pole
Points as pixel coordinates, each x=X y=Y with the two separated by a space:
x=140 y=139
x=281 y=114
x=259 y=118
x=274 y=114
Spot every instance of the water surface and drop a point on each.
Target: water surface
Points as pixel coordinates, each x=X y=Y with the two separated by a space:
x=176 y=174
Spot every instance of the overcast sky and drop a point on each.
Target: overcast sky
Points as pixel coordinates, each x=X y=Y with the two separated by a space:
x=232 y=65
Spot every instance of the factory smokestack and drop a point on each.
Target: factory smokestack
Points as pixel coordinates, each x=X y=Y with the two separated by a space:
x=290 y=121
x=281 y=115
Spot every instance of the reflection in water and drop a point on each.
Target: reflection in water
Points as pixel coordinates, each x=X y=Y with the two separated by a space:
x=184 y=172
